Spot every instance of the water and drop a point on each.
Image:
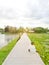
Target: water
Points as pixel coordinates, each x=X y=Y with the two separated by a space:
x=6 y=38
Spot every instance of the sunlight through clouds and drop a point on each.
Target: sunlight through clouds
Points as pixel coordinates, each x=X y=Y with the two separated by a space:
x=26 y=13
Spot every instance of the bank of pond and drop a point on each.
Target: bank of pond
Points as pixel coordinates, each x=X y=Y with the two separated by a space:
x=7 y=42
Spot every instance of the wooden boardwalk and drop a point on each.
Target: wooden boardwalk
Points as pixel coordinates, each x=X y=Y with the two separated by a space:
x=20 y=55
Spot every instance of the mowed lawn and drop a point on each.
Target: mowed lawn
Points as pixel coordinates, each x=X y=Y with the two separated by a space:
x=41 y=41
x=6 y=50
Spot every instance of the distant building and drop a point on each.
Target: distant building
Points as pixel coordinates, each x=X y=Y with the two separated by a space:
x=30 y=31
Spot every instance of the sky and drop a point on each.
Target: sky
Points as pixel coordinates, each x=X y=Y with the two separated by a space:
x=25 y=13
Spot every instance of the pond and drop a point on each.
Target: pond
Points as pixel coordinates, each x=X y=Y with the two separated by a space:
x=6 y=38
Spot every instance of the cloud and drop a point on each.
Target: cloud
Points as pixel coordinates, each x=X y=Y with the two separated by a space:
x=45 y=20
x=29 y=13
x=38 y=9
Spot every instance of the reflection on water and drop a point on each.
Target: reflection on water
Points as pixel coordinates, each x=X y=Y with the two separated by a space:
x=4 y=39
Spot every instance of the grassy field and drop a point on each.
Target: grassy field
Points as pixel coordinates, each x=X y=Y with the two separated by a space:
x=6 y=50
x=41 y=42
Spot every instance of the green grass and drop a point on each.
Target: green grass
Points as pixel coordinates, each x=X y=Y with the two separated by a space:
x=41 y=42
x=6 y=50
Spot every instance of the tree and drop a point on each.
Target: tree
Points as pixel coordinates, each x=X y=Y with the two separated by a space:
x=10 y=29
x=40 y=30
x=21 y=29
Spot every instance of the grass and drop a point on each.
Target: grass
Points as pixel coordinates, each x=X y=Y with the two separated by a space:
x=6 y=50
x=41 y=42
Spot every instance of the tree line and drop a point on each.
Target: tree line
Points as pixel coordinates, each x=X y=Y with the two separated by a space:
x=10 y=29
x=40 y=30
